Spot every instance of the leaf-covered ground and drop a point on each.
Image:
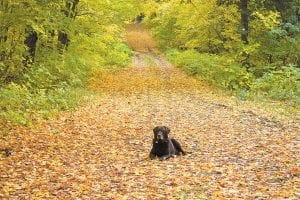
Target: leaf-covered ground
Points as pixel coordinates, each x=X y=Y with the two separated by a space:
x=100 y=151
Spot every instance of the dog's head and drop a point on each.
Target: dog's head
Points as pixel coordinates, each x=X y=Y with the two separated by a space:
x=161 y=133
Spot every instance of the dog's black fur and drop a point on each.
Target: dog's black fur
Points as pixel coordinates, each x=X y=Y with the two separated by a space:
x=163 y=147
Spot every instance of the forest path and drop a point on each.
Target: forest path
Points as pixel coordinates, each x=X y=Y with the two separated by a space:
x=100 y=151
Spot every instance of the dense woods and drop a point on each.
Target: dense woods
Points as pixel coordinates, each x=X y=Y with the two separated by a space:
x=249 y=46
x=48 y=50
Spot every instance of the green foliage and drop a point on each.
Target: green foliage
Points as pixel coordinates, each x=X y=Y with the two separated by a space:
x=277 y=43
x=21 y=105
x=283 y=84
x=280 y=84
x=201 y=25
x=15 y=100
x=210 y=33
x=219 y=70
x=119 y=55
x=214 y=27
x=49 y=49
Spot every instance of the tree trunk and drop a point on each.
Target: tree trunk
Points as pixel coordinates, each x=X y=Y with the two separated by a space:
x=244 y=21
x=30 y=42
x=71 y=8
x=69 y=12
x=4 y=25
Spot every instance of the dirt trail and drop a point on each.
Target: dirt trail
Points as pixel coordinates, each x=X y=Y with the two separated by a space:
x=145 y=48
x=101 y=150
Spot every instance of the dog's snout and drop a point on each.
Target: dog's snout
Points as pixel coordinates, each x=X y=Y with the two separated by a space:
x=160 y=135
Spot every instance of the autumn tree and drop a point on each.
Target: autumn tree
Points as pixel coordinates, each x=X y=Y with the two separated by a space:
x=40 y=44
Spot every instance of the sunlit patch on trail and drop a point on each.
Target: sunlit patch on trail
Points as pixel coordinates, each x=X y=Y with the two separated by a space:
x=139 y=39
x=147 y=80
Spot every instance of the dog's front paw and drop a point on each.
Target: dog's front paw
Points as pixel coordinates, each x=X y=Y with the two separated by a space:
x=163 y=158
x=152 y=156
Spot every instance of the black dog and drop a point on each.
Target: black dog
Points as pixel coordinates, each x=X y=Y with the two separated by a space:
x=163 y=147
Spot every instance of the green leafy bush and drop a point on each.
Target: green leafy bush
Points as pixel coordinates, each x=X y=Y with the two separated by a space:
x=21 y=105
x=15 y=99
x=279 y=85
x=120 y=55
x=219 y=70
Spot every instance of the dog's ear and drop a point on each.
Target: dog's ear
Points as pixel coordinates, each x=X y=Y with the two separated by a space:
x=166 y=129
x=166 y=132
x=155 y=130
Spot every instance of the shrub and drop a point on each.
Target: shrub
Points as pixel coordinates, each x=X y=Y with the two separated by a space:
x=219 y=70
x=276 y=83
x=15 y=99
x=21 y=105
x=283 y=84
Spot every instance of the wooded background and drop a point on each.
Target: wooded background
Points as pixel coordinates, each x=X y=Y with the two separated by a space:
x=49 y=49
x=249 y=46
